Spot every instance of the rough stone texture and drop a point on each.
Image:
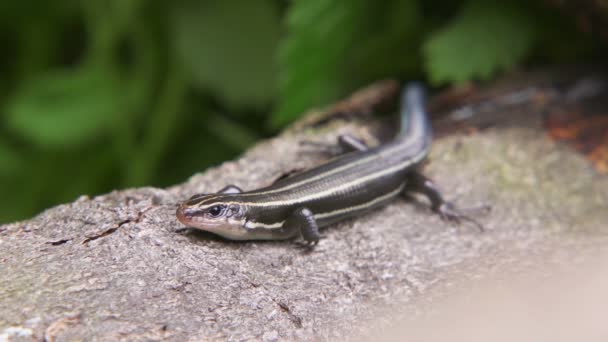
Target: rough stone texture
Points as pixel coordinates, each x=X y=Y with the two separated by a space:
x=117 y=267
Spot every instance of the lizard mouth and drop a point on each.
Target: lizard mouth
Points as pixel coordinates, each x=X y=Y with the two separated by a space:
x=223 y=227
x=192 y=218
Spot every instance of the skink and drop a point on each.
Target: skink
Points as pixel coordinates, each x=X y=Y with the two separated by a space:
x=360 y=180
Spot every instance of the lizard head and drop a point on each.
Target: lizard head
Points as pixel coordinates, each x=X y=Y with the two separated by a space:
x=216 y=213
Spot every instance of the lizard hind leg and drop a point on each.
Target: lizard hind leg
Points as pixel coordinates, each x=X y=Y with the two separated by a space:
x=418 y=183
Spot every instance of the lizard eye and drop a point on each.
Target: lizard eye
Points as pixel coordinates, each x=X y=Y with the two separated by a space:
x=216 y=210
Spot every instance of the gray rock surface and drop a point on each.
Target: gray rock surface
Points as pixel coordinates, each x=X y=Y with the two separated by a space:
x=117 y=267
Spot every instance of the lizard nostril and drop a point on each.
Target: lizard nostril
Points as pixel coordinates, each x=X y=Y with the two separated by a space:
x=183 y=213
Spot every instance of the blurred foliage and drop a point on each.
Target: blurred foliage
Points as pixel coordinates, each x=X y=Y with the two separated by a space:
x=104 y=94
x=465 y=48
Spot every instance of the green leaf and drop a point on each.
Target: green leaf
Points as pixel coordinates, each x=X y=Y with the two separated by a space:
x=229 y=47
x=335 y=46
x=484 y=38
x=66 y=107
x=312 y=54
x=388 y=43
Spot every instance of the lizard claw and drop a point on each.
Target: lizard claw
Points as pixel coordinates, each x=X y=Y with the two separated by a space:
x=448 y=212
x=307 y=245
